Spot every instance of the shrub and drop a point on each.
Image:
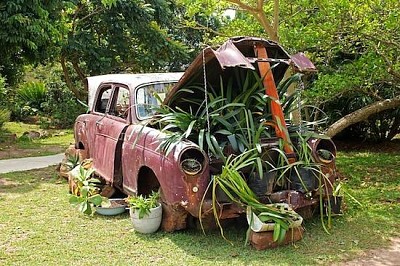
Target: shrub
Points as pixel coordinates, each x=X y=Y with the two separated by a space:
x=33 y=94
x=4 y=116
x=3 y=92
x=61 y=105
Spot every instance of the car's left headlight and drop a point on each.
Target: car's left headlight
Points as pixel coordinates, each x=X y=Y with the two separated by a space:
x=192 y=161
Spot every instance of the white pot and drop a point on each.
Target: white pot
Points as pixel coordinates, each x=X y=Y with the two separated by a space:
x=149 y=223
x=258 y=226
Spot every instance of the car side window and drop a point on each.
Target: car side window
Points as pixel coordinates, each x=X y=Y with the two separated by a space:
x=120 y=106
x=102 y=99
x=149 y=96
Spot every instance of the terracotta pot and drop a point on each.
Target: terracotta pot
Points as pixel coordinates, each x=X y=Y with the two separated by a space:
x=149 y=223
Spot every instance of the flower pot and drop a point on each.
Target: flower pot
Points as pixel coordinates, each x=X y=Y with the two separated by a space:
x=149 y=223
x=117 y=206
x=335 y=204
x=258 y=226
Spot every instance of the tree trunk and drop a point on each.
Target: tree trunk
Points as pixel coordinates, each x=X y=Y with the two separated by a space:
x=362 y=114
x=68 y=81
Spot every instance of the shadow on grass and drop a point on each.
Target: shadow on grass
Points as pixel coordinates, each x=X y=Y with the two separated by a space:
x=26 y=181
x=352 y=234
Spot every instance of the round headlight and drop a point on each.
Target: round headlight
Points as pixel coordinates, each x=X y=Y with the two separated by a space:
x=192 y=161
x=191 y=166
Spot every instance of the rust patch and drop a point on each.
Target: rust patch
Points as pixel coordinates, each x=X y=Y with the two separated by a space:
x=264 y=240
x=174 y=217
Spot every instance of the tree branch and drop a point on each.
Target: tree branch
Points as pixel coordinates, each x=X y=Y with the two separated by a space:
x=276 y=16
x=78 y=70
x=362 y=114
x=244 y=6
x=260 y=4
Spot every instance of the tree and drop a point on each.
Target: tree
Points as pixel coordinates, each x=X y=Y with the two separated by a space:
x=355 y=45
x=28 y=34
x=121 y=36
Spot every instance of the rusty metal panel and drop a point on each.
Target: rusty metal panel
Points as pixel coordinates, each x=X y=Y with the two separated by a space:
x=301 y=63
x=236 y=52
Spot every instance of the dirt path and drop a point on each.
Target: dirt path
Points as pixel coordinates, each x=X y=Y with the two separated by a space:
x=389 y=256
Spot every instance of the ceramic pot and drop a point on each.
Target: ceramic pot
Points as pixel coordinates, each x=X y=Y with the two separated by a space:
x=149 y=223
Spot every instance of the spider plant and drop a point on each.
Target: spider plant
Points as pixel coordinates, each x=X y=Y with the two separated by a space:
x=305 y=174
x=232 y=182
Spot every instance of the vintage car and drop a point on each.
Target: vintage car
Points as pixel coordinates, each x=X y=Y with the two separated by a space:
x=126 y=151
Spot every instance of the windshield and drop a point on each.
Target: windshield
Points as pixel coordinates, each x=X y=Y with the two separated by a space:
x=149 y=96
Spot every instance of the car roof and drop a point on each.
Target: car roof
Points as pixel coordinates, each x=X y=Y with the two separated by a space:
x=131 y=80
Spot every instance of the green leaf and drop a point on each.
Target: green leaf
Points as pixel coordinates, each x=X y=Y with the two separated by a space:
x=74 y=199
x=277 y=232
x=201 y=139
x=96 y=199
x=282 y=235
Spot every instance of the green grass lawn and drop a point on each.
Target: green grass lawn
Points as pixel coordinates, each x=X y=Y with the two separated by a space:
x=38 y=226
x=22 y=147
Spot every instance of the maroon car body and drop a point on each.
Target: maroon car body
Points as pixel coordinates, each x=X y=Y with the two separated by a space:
x=126 y=152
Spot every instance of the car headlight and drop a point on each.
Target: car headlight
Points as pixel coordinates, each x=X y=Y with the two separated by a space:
x=192 y=161
x=324 y=151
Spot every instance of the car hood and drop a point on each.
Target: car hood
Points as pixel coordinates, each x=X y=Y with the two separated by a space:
x=237 y=52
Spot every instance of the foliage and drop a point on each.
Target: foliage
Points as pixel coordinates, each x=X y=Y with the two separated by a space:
x=226 y=119
x=4 y=116
x=3 y=91
x=28 y=34
x=143 y=204
x=61 y=106
x=86 y=194
x=124 y=36
x=72 y=161
x=32 y=94
x=354 y=44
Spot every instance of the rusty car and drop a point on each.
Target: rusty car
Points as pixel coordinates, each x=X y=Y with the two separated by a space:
x=127 y=151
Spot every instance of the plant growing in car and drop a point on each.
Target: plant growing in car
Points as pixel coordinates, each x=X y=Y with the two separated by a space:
x=85 y=194
x=233 y=184
x=143 y=204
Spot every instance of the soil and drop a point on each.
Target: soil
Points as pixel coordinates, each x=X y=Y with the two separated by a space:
x=379 y=257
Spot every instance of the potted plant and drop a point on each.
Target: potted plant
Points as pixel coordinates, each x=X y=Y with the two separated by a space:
x=338 y=194
x=145 y=212
x=85 y=193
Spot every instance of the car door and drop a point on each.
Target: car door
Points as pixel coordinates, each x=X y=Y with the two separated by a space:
x=109 y=129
